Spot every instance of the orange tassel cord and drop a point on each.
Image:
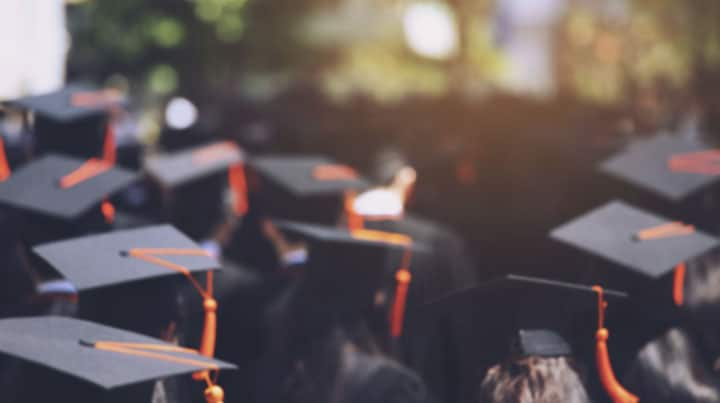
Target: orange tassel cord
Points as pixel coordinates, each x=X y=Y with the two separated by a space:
x=213 y=392
x=612 y=386
x=4 y=164
x=237 y=180
x=679 y=284
x=207 y=345
x=355 y=221
x=402 y=276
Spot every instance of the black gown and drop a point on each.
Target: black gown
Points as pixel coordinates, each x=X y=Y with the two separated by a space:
x=436 y=347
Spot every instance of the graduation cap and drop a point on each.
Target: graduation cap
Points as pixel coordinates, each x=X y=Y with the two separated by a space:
x=671 y=167
x=349 y=267
x=107 y=357
x=645 y=247
x=521 y=316
x=73 y=120
x=59 y=190
x=120 y=257
x=304 y=188
x=195 y=178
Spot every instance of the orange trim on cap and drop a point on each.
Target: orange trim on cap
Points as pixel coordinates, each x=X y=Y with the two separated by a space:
x=213 y=392
x=215 y=152
x=96 y=99
x=672 y=229
x=679 y=284
x=90 y=169
x=334 y=172
x=4 y=165
x=706 y=162
x=612 y=386
x=381 y=236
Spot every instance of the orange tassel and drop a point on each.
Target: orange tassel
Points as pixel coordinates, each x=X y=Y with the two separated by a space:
x=4 y=165
x=679 y=284
x=108 y=211
x=213 y=393
x=612 y=386
x=403 y=278
x=354 y=220
x=207 y=344
x=238 y=186
x=109 y=147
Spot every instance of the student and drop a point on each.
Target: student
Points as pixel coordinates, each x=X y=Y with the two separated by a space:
x=529 y=334
x=680 y=364
x=431 y=346
x=321 y=349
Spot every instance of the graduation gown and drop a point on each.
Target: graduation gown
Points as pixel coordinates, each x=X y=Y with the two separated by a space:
x=437 y=347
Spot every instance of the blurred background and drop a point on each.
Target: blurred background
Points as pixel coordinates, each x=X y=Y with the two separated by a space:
x=503 y=106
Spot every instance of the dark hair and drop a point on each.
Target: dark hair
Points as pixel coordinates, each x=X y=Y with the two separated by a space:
x=321 y=360
x=676 y=366
x=671 y=369
x=534 y=380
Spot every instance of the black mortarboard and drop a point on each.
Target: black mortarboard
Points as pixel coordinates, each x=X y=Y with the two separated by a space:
x=343 y=272
x=75 y=347
x=36 y=189
x=182 y=167
x=72 y=120
x=304 y=188
x=193 y=181
x=518 y=316
x=647 y=245
x=629 y=248
x=664 y=165
x=106 y=260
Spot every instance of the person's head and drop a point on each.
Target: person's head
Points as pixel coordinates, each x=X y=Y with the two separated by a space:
x=671 y=369
x=702 y=300
x=534 y=379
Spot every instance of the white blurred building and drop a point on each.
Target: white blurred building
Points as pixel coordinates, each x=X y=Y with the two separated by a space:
x=33 y=46
x=525 y=31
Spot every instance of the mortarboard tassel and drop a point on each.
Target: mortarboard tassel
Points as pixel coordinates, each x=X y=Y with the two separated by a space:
x=109 y=147
x=238 y=186
x=402 y=276
x=679 y=284
x=213 y=393
x=668 y=230
x=90 y=169
x=615 y=390
x=237 y=180
x=354 y=220
x=4 y=165
x=207 y=344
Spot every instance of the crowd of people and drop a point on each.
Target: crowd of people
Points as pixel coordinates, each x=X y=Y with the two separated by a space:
x=315 y=281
